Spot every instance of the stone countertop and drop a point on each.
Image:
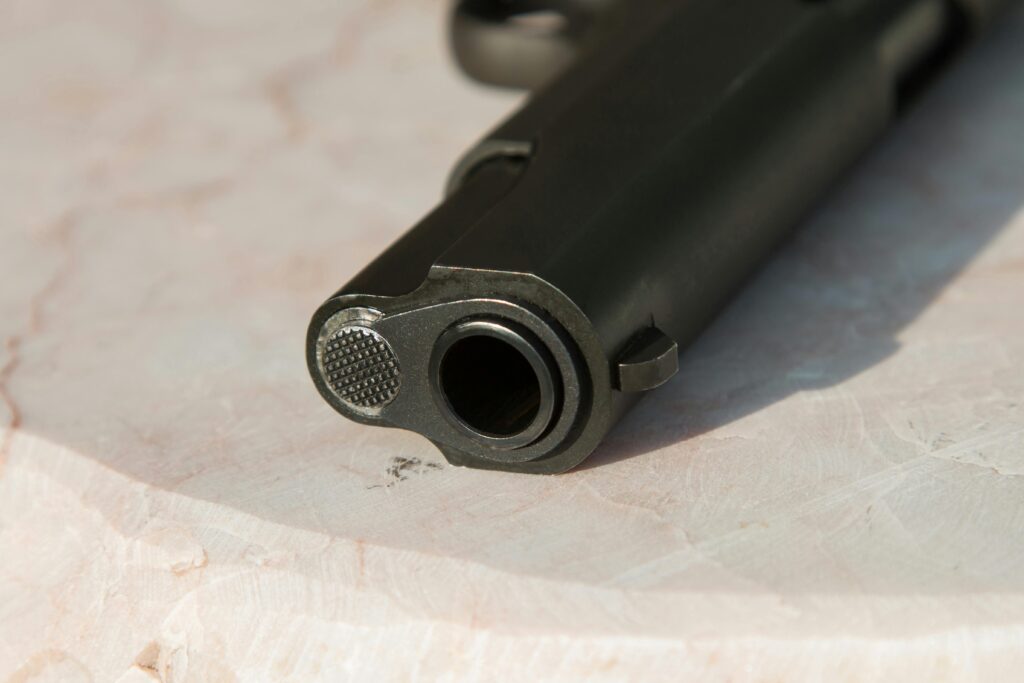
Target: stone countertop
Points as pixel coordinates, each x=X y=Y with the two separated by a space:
x=831 y=489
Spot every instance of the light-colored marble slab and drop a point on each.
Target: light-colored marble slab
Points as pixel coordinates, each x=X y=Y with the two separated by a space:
x=831 y=490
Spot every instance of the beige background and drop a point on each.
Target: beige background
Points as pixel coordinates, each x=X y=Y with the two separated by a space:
x=832 y=488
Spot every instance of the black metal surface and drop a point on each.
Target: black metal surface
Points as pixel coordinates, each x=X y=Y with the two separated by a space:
x=635 y=191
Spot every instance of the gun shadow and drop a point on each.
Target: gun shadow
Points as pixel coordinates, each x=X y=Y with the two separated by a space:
x=832 y=303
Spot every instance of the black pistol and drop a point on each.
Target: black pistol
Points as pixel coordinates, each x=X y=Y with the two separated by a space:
x=667 y=147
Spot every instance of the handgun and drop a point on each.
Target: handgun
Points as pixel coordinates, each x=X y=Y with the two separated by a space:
x=666 y=148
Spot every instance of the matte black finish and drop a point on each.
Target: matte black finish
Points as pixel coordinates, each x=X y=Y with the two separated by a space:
x=606 y=223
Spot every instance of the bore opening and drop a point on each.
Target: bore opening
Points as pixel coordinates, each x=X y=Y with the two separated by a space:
x=490 y=385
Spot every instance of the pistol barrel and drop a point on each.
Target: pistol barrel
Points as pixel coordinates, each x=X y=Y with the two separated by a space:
x=601 y=228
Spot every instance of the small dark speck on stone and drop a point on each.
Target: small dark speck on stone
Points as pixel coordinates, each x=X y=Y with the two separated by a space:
x=401 y=469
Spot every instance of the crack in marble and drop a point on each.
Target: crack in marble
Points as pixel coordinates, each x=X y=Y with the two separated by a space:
x=60 y=231
x=12 y=345
x=278 y=87
x=945 y=449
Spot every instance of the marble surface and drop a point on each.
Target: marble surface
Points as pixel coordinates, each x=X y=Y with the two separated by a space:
x=831 y=490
